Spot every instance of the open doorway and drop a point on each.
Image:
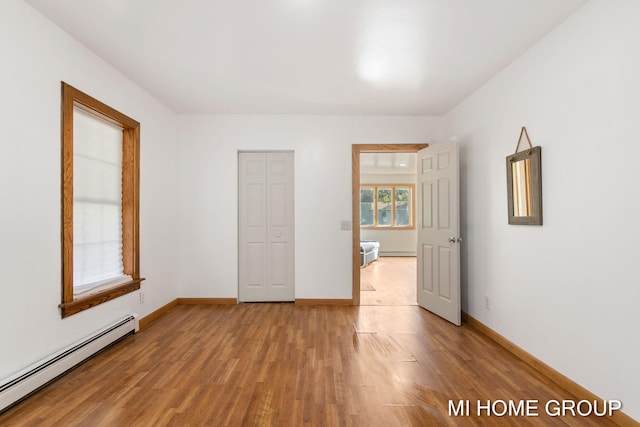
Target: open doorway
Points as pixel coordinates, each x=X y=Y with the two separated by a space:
x=383 y=183
x=387 y=229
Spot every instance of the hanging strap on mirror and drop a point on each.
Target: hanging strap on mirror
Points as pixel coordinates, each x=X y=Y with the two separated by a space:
x=526 y=135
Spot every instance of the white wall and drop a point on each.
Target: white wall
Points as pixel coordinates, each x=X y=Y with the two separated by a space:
x=392 y=242
x=36 y=56
x=567 y=292
x=322 y=145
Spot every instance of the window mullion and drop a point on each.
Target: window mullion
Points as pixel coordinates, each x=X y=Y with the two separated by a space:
x=393 y=206
x=375 y=206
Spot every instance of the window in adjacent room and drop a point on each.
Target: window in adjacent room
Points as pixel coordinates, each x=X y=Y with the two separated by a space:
x=100 y=202
x=386 y=206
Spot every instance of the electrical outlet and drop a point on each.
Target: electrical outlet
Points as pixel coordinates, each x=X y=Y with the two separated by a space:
x=487 y=302
x=141 y=297
x=345 y=225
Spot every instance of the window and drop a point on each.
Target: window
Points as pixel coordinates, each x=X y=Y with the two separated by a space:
x=386 y=206
x=100 y=202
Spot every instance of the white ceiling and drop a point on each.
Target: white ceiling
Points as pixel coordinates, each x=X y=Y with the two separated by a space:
x=388 y=163
x=370 y=57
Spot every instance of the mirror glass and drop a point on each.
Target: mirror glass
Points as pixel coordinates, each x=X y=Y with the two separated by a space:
x=522 y=188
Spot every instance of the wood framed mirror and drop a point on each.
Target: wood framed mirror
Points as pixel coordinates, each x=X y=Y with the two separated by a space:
x=524 y=187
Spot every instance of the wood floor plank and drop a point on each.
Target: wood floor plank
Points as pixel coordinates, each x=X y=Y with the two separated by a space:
x=389 y=281
x=293 y=365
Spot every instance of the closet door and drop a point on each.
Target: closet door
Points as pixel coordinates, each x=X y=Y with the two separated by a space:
x=265 y=221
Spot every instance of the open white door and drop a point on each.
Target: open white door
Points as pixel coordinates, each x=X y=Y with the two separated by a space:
x=438 y=227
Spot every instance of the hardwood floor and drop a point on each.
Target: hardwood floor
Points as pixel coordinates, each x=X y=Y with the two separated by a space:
x=292 y=365
x=389 y=281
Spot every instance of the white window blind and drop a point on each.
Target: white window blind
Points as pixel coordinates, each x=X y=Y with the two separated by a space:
x=97 y=202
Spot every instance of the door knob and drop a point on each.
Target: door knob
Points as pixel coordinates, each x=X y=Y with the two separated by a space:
x=452 y=239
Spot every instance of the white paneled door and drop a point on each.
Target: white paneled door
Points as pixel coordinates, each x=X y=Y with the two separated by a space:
x=439 y=230
x=265 y=226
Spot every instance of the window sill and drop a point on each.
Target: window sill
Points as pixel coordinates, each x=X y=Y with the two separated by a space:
x=88 y=301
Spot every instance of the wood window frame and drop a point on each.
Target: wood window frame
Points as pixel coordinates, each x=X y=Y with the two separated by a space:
x=130 y=200
x=393 y=226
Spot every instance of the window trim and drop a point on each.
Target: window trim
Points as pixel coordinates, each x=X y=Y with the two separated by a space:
x=130 y=200
x=412 y=207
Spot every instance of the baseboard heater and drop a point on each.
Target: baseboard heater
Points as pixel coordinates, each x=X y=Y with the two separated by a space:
x=397 y=253
x=22 y=384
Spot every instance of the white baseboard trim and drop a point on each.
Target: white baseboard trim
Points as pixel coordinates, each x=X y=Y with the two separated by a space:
x=387 y=253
